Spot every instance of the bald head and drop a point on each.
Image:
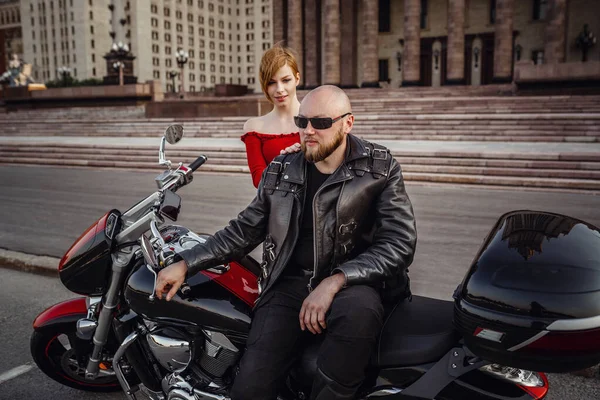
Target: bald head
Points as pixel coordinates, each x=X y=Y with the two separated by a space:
x=328 y=98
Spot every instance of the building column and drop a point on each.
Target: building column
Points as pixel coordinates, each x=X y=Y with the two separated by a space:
x=503 y=41
x=370 y=31
x=456 y=43
x=412 y=43
x=278 y=19
x=311 y=45
x=554 y=50
x=332 y=40
x=294 y=31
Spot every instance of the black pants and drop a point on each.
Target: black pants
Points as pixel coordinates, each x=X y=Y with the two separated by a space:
x=275 y=339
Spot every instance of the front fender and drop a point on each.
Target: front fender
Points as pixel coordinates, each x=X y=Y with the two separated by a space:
x=68 y=311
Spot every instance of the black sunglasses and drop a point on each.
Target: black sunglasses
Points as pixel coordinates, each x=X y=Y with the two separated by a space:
x=317 y=123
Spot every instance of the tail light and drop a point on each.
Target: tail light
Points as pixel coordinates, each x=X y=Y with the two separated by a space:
x=581 y=342
x=534 y=383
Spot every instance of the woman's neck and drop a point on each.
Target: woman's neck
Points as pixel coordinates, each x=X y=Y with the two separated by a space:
x=287 y=112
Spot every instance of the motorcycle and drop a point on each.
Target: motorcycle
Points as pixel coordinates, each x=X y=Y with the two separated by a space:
x=508 y=319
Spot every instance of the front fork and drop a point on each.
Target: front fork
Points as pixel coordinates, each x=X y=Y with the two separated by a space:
x=120 y=261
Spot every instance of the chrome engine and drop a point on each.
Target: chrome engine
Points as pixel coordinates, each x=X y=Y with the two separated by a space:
x=173 y=354
x=197 y=367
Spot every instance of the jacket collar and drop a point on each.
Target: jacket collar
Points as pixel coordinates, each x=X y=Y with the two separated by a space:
x=295 y=164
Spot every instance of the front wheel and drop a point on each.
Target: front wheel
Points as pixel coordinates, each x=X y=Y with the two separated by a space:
x=54 y=353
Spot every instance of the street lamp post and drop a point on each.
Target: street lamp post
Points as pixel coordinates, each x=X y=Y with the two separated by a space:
x=171 y=75
x=182 y=58
x=120 y=52
x=585 y=40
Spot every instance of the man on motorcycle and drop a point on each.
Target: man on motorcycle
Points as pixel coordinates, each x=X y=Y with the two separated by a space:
x=339 y=234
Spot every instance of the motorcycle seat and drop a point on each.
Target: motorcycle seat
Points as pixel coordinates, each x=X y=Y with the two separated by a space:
x=416 y=332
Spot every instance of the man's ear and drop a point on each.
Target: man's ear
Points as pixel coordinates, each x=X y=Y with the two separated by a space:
x=349 y=123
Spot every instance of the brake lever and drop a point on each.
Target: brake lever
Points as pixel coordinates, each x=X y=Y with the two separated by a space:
x=153 y=295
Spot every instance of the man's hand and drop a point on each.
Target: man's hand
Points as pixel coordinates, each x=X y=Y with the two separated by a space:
x=312 y=313
x=170 y=279
x=291 y=149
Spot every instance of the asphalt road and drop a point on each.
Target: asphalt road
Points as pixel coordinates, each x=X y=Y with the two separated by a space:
x=43 y=210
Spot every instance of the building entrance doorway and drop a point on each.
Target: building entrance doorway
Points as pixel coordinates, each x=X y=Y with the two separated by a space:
x=485 y=57
x=433 y=61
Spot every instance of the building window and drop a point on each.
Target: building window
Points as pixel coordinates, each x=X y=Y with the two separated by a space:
x=156 y=74
x=154 y=22
x=384 y=74
x=424 y=7
x=385 y=16
x=167 y=11
x=537 y=56
x=167 y=49
x=540 y=10
x=167 y=25
x=154 y=35
x=167 y=37
x=153 y=9
x=94 y=71
x=492 y=12
x=93 y=44
x=93 y=58
x=168 y=62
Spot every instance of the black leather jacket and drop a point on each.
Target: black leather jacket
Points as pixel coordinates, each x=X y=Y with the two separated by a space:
x=363 y=222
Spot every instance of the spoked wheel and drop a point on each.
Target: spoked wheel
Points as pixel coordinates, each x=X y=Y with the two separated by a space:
x=55 y=355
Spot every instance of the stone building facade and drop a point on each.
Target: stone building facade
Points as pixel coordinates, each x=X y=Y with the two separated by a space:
x=430 y=42
x=225 y=39
x=11 y=41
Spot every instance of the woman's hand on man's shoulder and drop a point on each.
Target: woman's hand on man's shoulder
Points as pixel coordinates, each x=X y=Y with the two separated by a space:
x=291 y=149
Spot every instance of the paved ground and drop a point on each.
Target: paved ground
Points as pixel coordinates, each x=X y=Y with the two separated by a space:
x=42 y=210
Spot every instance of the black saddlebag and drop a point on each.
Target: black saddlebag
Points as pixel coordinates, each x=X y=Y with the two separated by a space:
x=531 y=298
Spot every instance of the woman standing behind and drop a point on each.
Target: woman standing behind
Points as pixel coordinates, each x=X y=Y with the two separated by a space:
x=266 y=136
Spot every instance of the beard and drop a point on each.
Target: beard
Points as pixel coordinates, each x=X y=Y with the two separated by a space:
x=323 y=150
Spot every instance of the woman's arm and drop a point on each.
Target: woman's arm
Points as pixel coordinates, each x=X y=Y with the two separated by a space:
x=256 y=159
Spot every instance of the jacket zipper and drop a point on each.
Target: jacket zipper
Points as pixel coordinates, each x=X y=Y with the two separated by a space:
x=274 y=278
x=315 y=244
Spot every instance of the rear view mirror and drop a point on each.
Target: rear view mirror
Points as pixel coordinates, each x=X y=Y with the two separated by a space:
x=173 y=134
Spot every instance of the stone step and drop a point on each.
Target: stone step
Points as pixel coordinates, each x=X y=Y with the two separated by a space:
x=56 y=156
x=240 y=155
x=488 y=180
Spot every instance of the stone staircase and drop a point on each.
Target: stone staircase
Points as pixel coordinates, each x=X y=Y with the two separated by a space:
x=437 y=115
x=534 y=170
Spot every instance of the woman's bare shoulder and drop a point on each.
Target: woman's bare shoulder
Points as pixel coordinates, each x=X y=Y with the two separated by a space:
x=255 y=124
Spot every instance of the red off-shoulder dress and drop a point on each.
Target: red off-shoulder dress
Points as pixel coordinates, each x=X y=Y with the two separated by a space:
x=262 y=148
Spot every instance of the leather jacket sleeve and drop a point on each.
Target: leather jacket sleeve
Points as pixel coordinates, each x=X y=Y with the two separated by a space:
x=234 y=241
x=395 y=238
